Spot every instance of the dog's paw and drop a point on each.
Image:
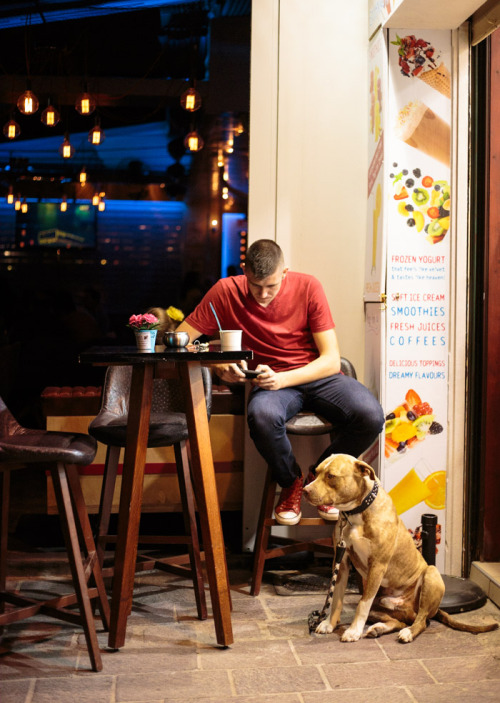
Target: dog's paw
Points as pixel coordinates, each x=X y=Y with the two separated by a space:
x=350 y=635
x=376 y=630
x=324 y=628
x=405 y=635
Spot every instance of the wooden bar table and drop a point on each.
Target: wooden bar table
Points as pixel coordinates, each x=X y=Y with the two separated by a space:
x=184 y=364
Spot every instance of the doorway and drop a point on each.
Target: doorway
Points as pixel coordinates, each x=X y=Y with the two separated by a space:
x=483 y=543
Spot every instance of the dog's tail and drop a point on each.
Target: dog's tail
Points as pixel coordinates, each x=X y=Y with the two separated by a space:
x=443 y=617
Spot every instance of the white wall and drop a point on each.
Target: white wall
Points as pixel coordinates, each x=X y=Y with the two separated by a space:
x=308 y=147
x=308 y=172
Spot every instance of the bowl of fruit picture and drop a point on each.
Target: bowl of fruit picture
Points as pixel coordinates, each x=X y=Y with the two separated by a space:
x=424 y=202
x=408 y=424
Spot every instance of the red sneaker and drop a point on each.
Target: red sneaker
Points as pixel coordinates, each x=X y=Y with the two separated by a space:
x=328 y=512
x=287 y=510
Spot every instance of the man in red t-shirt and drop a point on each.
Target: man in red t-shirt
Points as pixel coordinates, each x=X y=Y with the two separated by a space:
x=286 y=320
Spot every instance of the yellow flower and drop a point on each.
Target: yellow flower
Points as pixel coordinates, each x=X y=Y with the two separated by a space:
x=175 y=313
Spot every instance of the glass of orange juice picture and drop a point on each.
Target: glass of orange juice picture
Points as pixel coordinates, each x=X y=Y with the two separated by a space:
x=419 y=484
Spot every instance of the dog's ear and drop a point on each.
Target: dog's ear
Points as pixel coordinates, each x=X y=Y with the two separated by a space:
x=366 y=469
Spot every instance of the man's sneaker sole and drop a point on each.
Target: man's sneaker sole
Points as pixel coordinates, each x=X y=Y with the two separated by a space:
x=288 y=520
x=333 y=516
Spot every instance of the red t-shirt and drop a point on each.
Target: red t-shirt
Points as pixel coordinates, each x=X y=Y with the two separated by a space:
x=280 y=335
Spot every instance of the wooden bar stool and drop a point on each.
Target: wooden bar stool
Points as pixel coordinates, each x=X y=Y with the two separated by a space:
x=168 y=427
x=304 y=424
x=61 y=452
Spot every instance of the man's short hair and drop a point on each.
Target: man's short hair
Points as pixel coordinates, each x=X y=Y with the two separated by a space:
x=263 y=258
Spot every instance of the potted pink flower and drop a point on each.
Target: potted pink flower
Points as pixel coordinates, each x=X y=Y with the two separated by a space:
x=145 y=327
x=146 y=321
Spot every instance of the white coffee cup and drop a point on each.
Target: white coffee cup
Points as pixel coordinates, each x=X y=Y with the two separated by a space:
x=230 y=340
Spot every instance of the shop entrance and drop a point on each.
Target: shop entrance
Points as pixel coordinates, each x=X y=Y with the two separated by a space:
x=484 y=369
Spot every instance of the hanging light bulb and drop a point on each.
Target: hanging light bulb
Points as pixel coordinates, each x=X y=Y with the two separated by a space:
x=225 y=193
x=220 y=158
x=66 y=149
x=17 y=203
x=10 y=196
x=11 y=129
x=24 y=206
x=96 y=134
x=191 y=100
x=102 y=205
x=27 y=102
x=85 y=104
x=83 y=176
x=95 y=199
x=50 y=116
x=215 y=181
x=64 y=204
x=193 y=141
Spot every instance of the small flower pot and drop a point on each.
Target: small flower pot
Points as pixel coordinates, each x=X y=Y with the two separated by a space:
x=145 y=340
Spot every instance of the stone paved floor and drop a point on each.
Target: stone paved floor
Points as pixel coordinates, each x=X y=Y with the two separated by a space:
x=171 y=656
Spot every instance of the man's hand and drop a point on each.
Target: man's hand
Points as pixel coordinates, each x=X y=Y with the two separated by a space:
x=268 y=379
x=233 y=373
x=230 y=373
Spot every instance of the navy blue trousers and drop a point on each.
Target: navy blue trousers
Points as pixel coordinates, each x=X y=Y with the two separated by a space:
x=352 y=409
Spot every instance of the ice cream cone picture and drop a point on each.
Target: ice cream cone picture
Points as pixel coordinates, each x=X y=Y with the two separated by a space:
x=418 y=59
x=376 y=216
x=421 y=128
x=438 y=78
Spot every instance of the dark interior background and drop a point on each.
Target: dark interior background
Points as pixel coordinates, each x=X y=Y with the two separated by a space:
x=159 y=240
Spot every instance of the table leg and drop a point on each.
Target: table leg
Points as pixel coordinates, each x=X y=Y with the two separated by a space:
x=207 y=499
x=141 y=391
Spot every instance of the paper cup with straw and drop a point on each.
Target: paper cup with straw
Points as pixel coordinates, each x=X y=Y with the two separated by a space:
x=230 y=340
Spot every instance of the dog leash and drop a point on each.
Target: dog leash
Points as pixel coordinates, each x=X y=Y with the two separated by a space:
x=317 y=616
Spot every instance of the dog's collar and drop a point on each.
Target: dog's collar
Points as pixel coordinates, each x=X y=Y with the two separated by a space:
x=366 y=502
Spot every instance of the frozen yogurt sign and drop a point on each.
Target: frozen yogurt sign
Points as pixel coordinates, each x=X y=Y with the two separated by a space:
x=417 y=202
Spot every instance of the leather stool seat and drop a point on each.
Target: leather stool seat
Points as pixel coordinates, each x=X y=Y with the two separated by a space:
x=167 y=424
x=164 y=430
x=35 y=446
x=308 y=424
x=61 y=452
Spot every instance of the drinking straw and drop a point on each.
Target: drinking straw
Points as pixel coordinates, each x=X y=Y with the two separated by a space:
x=215 y=315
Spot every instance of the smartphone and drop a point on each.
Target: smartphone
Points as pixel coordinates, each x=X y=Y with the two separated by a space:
x=251 y=374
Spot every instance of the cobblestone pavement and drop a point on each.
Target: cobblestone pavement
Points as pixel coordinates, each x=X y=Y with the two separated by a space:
x=171 y=656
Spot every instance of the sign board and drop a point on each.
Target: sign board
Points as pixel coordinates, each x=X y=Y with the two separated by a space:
x=417 y=197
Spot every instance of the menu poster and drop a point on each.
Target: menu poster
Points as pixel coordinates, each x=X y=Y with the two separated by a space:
x=417 y=197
